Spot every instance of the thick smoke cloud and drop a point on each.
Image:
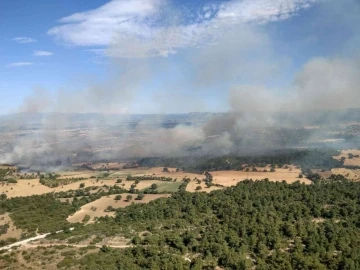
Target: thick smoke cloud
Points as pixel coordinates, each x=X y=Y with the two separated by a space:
x=235 y=61
x=328 y=84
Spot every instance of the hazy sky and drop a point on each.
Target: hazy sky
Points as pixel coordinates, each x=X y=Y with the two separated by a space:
x=151 y=56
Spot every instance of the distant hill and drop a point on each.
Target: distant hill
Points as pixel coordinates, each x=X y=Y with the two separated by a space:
x=92 y=119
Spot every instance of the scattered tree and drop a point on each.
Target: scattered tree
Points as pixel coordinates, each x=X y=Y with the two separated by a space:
x=140 y=196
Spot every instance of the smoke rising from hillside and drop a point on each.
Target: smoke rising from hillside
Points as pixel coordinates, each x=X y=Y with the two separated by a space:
x=233 y=57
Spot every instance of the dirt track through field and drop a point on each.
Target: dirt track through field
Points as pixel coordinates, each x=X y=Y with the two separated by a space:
x=98 y=207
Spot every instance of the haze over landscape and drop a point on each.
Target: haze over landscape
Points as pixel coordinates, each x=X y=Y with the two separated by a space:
x=180 y=103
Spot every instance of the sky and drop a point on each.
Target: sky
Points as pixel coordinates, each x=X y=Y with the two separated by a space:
x=168 y=56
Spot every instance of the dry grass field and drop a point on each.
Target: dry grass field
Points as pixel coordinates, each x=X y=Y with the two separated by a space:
x=350 y=162
x=25 y=188
x=29 y=187
x=12 y=231
x=349 y=174
x=5 y=167
x=101 y=204
x=325 y=174
x=231 y=178
x=157 y=171
x=102 y=165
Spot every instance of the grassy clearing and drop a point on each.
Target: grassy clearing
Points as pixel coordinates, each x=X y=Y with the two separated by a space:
x=169 y=186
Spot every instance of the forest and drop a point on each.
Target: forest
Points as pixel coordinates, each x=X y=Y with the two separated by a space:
x=305 y=158
x=258 y=224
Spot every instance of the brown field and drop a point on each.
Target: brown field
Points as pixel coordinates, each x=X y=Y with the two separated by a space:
x=324 y=175
x=12 y=230
x=350 y=162
x=231 y=178
x=349 y=174
x=29 y=187
x=101 y=165
x=104 y=202
x=25 y=188
x=76 y=174
x=5 y=167
x=158 y=172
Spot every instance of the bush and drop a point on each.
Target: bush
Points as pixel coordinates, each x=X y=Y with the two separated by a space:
x=86 y=218
x=110 y=209
x=12 y=181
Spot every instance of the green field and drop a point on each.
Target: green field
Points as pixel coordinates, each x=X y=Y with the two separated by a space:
x=167 y=187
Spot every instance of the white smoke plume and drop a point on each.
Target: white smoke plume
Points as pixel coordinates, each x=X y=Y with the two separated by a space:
x=225 y=55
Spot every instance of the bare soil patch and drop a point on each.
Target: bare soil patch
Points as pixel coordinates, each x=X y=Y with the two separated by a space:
x=318 y=220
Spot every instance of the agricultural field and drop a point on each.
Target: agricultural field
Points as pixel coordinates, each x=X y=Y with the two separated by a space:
x=69 y=180
x=167 y=186
x=323 y=173
x=231 y=178
x=352 y=157
x=33 y=187
x=347 y=173
x=99 y=207
x=104 y=193
x=158 y=171
x=101 y=165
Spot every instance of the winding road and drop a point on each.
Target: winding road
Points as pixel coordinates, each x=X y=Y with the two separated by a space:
x=26 y=241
